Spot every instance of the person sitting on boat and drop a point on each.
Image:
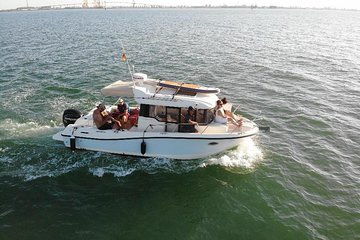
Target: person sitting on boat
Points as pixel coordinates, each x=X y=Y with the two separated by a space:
x=222 y=117
x=189 y=125
x=227 y=108
x=103 y=120
x=121 y=112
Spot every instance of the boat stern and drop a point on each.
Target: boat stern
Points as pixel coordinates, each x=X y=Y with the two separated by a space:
x=58 y=137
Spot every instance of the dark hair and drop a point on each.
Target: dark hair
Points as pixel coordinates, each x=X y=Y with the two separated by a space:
x=100 y=105
x=218 y=102
x=190 y=108
x=224 y=100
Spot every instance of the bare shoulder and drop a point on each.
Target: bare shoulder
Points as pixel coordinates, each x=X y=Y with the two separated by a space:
x=96 y=114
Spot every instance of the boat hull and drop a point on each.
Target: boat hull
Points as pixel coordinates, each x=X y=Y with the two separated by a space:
x=166 y=145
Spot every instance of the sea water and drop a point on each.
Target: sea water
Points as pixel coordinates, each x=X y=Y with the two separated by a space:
x=298 y=70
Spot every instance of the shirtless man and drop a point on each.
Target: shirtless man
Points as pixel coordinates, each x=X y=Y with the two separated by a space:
x=103 y=120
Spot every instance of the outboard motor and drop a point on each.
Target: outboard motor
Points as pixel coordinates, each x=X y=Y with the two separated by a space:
x=139 y=78
x=70 y=116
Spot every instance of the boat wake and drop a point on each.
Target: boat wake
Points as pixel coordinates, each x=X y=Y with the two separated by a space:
x=28 y=154
x=41 y=165
x=10 y=129
x=241 y=160
x=146 y=165
x=245 y=157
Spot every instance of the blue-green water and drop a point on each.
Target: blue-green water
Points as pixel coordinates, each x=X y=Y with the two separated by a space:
x=298 y=69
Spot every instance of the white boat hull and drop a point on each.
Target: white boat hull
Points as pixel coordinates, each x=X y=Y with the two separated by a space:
x=163 y=144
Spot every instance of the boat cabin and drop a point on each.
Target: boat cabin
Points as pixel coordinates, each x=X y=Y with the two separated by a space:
x=171 y=119
x=164 y=103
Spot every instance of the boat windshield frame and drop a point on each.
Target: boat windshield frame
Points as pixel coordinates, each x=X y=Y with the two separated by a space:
x=175 y=115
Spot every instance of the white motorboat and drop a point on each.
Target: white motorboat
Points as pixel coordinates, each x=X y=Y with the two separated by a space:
x=156 y=122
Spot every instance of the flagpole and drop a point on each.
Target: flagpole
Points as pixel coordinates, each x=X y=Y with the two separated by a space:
x=125 y=59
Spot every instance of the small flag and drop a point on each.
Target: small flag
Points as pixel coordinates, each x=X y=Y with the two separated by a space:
x=123 y=57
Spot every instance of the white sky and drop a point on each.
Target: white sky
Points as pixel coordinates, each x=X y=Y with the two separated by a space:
x=349 y=4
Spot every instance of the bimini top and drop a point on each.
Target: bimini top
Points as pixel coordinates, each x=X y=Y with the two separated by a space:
x=187 y=87
x=163 y=92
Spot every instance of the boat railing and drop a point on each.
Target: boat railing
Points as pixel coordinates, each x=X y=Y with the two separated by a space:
x=176 y=129
x=236 y=107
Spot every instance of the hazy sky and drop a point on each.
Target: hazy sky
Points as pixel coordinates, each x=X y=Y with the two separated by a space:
x=349 y=4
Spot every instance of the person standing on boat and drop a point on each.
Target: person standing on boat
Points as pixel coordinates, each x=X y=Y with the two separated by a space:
x=103 y=120
x=189 y=123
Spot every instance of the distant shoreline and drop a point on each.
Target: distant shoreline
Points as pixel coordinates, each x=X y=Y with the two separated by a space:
x=59 y=7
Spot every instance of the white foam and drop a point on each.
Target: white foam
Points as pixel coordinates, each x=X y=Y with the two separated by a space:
x=11 y=128
x=117 y=171
x=148 y=165
x=53 y=167
x=241 y=160
x=19 y=96
x=99 y=172
x=2 y=150
x=247 y=156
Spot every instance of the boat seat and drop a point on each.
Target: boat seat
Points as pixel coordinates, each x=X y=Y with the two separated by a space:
x=214 y=128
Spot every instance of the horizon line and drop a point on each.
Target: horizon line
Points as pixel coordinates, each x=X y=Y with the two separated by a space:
x=150 y=6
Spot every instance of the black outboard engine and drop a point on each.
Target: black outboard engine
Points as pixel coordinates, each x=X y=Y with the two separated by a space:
x=70 y=116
